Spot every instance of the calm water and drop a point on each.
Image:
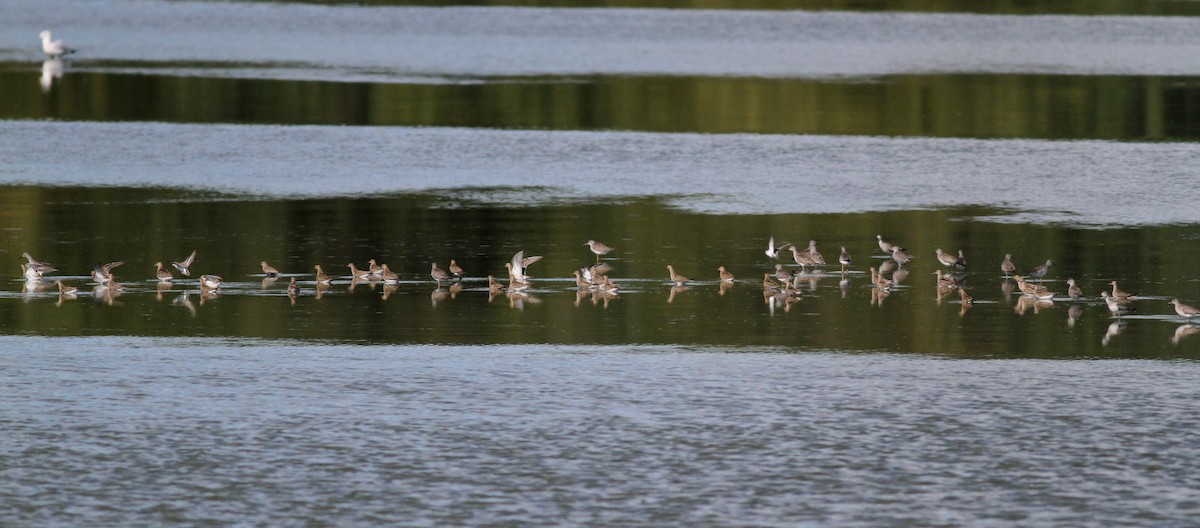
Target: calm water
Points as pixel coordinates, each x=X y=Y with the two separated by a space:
x=304 y=133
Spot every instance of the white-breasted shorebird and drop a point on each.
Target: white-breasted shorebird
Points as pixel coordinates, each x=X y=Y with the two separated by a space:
x=455 y=269
x=946 y=259
x=1184 y=310
x=161 y=273
x=358 y=274
x=268 y=270
x=439 y=275
x=885 y=247
x=1115 y=306
x=29 y=273
x=184 y=265
x=772 y=251
x=599 y=248
x=844 y=259
x=1007 y=267
x=678 y=279
x=388 y=276
x=53 y=48
x=1073 y=290
x=211 y=282
x=40 y=267
x=102 y=273
x=899 y=256
x=518 y=265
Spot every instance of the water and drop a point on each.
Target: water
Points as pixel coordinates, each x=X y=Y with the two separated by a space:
x=307 y=134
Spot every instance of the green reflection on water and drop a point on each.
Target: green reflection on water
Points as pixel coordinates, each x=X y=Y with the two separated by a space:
x=73 y=227
x=981 y=106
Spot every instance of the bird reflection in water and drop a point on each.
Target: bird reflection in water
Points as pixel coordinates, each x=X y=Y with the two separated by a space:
x=52 y=70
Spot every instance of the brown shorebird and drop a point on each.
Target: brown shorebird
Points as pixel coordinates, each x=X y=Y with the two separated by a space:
x=102 y=273
x=814 y=255
x=1032 y=290
x=1040 y=271
x=64 y=289
x=609 y=286
x=946 y=259
x=375 y=269
x=357 y=274
x=899 y=256
x=322 y=278
x=1184 y=310
x=725 y=275
x=1114 y=305
x=268 y=270
x=39 y=267
x=293 y=288
x=493 y=286
x=388 y=276
x=598 y=248
x=1007 y=267
x=439 y=275
x=581 y=282
x=844 y=259
x=769 y=283
x=184 y=265
x=802 y=257
x=884 y=246
x=163 y=274
x=1120 y=295
x=678 y=279
x=1073 y=290
x=455 y=269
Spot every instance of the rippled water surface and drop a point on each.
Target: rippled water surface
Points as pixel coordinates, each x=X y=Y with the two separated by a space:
x=324 y=133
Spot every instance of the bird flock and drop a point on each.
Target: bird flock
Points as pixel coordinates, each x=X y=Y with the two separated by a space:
x=779 y=286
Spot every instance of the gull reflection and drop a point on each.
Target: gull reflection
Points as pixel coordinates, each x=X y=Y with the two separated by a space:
x=51 y=69
x=1113 y=330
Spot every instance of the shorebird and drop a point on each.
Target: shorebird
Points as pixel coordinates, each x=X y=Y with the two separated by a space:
x=210 y=281
x=29 y=273
x=1007 y=267
x=772 y=251
x=455 y=269
x=39 y=267
x=598 y=248
x=784 y=275
x=358 y=274
x=1040 y=271
x=267 y=269
x=802 y=257
x=438 y=274
x=609 y=286
x=1183 y=310
x=102 y=273
x=581 y=282
x=53 y=48
x=63 y=289
x=322 y=278
x=388 y=276
x=375 y=269
x=1115 y=306
x=769 y=283
x=1032 y=290
x=899 y=256
x=1073 y=290
x=493 y=286
x=293 y=289
x=518 y=264
x=725 y=275
x=186 y=263
x=678 y=279
x=163 y=274
x=1120 y=295
x=814 y=255
x=844 y=259
x=946 y=259
x=961 y=263
x=884 y=246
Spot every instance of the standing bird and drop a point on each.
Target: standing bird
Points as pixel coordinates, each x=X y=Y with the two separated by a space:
x=1182 y=309
x=439 y=275
x=802 y=257
x=844 y=259
x=211 y=282
x=1007 y=267
x=388 y=276
x=784 y=275
x=71 y=290
x=186 y=263
x=53 y=48
x=884 y=246
x=725 y=275
x=357 y=274
x=1040 y=271
x=946 y=259
x=1073 y=290
x=455 y=269
x=1115 y=306
x=518 y=264
x=322 y=278
x=678 y=279
x=163 y=274
x=1120 y=295
x=814 y=255
x=899 y=256
x=293 y=288
x=267 y=269
x=598 y=248
x=769 y=283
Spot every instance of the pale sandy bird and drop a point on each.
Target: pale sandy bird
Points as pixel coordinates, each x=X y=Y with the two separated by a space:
x=53 y=48
x=388 y=276
x=210 y=281
x=678 y=279
x=1073 y=290
x=102 y=273
x=493 y=286
x=1040 y=271
x=844 y=259
x=1007 y=267
x=899 y=256
x=1120 y=295
x=293 y=289
x=581 y=282
x=39 y=267
x=725 y=275
x=455 y=269
x=358 y=274
x=1184 y=310
x=518 y=265
x=438 y=274
x=802 y=257
x=268 y=270
x=1032 y=290
x=29 y=273
x=322 y=278
x=886 y=247
x=782 y=274
x=598 y=248
x=63 y=289
x=814 y=255
x=184 y=265
x=1115 y=306
x=161 y=273
x=375 y=269
x=950 y=261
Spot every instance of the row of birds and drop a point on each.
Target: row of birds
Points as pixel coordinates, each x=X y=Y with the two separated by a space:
x=596 y=276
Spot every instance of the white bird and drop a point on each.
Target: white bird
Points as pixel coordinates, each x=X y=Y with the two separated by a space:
x=51 y=69
x=516 y=268
x=53 y=48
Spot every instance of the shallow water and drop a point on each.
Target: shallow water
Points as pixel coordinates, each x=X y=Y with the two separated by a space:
x=306 y=134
